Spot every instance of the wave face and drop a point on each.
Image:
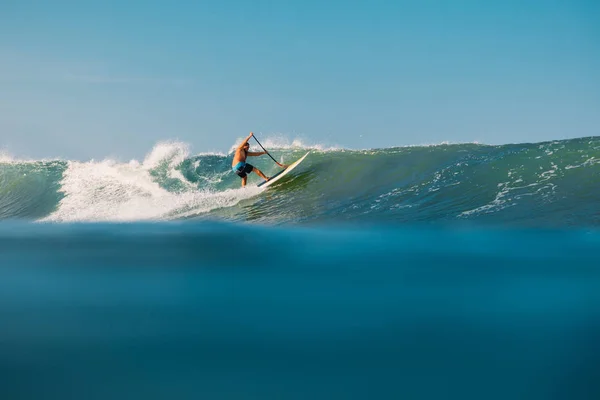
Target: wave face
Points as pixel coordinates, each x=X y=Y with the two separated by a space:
x=535 y=184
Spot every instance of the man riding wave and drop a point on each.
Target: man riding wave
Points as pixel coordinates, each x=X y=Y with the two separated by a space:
x=239 y=164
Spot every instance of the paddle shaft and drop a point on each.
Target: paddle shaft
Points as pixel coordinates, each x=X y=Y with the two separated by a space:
x=266 y=151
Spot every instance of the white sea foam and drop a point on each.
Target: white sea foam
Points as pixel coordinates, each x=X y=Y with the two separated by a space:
x=5 y=157
x=111 y=191
x=171 y=152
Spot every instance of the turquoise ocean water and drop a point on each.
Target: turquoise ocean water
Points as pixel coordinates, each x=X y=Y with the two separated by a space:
x=426 y=272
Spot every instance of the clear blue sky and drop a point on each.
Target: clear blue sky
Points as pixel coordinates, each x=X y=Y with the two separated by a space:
x=85 y=79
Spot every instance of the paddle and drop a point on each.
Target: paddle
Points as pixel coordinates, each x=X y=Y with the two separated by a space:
x=282 y=166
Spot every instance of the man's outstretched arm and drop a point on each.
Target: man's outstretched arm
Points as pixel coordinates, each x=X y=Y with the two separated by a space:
x=245 y=140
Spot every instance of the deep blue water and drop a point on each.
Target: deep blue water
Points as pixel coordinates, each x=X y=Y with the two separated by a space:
x=219 y=310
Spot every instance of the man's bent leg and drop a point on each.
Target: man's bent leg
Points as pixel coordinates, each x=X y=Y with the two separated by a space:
x=244 y=180
x=259 y=173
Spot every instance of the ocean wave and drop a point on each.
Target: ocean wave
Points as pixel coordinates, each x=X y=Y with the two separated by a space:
x=538 y=184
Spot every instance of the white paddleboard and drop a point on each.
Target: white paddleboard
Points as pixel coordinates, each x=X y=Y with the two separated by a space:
x=282 y=173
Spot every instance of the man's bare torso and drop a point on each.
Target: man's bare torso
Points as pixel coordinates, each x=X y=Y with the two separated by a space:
x=240 y=156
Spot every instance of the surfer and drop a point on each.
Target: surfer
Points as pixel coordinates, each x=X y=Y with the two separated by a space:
x=239 y=164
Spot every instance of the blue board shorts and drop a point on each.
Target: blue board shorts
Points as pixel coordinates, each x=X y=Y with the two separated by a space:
x=242 y=169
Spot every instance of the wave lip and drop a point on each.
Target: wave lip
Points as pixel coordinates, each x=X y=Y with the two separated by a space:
x=280 y=142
